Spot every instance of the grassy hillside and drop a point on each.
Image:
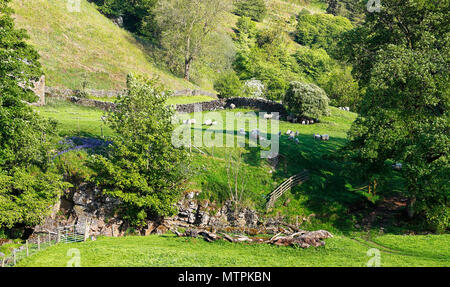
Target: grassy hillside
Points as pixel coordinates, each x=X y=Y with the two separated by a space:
x=85 y=46
x=161 y=251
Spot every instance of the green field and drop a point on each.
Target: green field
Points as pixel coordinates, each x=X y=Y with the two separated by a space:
x=167 y=250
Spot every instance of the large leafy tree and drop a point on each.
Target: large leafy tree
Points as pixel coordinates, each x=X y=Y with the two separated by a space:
x=401 y=56
x=187 y=26
x=28 y=187
x=142 y=168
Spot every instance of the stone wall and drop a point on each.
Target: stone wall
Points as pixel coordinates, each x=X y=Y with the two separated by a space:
x=220 y=104
x=86 y=204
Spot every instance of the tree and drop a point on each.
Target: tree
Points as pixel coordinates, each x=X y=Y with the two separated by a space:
x=28 y=185
x=254 y=9
x=307 y=100
x=228 y=85
x=138 y=15
x=142 y=168
x=186 y=27
x=401 y=58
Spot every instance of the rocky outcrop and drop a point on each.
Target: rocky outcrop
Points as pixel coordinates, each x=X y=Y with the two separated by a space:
x=86 y=207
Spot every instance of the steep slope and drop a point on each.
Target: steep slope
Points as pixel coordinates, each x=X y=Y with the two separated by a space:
x=85 y=46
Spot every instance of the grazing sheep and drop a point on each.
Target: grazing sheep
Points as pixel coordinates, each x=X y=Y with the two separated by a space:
x=325 y=137
x=288 y=132
x=317 y=137
x=304 y=123
x=208 y=123
x=232 y=106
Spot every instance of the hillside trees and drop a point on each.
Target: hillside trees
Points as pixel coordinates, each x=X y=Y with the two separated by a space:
x=254 y=9
x=142 y=168
x=186 y=27
x=138 y=15
x=401 y=56
x=28 y=185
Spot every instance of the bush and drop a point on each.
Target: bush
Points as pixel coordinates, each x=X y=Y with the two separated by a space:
x=321 y=30
x=341 y=88
x=313 y=62
x=254 y=9
x=228 y=85
x=308 y=100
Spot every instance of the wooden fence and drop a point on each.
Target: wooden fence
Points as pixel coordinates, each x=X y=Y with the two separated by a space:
x=285 y=186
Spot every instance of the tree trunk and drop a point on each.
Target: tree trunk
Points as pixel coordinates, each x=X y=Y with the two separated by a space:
x=187 y=69
x=410 y=207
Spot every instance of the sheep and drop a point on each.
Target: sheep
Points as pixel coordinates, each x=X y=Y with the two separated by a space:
x=208 y=123
x=325 y=137
x=288 y=132
x=317 y=137
x=268 y=116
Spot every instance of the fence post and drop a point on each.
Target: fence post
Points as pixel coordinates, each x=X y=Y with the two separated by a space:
x=58 y=235
x=49 y=238
x=28 y=254
x=39 y=242
x=86 y=230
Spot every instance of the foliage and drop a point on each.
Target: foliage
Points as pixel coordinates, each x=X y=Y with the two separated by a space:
x=254 y=9
x=264 y=57
x=228 y=85
x=341 y=88
x=306 y=100
x=313 y=62
x=351 y=9
x=321 y=30
x=186 y=27
x=28 y=186
x=138 y=15
x=401 y=57
x=142 y=168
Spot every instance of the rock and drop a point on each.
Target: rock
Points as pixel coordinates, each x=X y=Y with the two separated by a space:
x=161 y=230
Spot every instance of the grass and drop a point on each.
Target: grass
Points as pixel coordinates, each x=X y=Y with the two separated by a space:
x=324 y=195
x=85 y=46
x=170 y=251
x=75 y=120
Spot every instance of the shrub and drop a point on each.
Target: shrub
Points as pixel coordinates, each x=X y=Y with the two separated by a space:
x=313 y=62
x=306 y=100
x=321 y=30
x=254 y=9
x=341 y=88
x=228 y=85
x=254 y=88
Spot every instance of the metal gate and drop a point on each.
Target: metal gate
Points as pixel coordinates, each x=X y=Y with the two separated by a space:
x=69 y=234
